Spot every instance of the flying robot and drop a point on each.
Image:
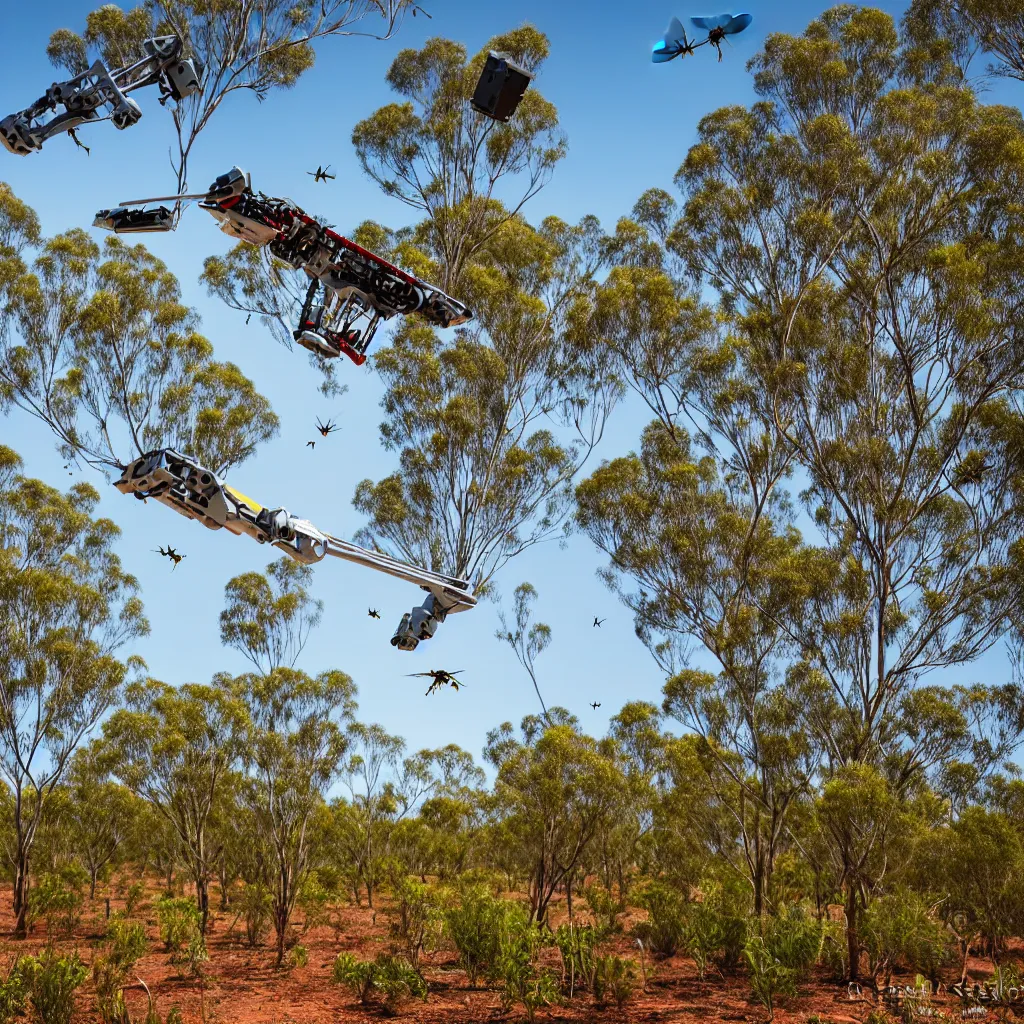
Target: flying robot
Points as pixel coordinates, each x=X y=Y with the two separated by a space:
x=320 y=174
x=676 y=44
x=97 y=89
x=360 y=289
x=198 y=493
x=440 y=678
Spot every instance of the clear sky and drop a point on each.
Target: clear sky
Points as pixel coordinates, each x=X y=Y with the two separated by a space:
x=629 y=124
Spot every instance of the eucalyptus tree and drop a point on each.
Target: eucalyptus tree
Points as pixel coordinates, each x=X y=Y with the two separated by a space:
x=860 y=231
x=237 y=47
x=66 y=607
x=555 y=792
x=529 y=639
x=175 y=747
x=293 y=752
x=268 y=616
x=490 y=426
x=96 y=343
x=101 y=814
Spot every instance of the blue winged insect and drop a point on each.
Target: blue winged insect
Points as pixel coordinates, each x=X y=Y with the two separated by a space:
x=676 y=44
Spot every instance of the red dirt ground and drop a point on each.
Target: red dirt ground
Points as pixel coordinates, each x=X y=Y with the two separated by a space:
x=244 y=987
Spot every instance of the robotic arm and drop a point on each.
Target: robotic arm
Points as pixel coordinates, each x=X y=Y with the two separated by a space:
x=191 y=490
x=96 y=89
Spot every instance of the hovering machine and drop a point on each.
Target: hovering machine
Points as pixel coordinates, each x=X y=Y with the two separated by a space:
x=96 y=89
x=359 y=288
x=676 y=44
x=500 y=88
x=198 y=493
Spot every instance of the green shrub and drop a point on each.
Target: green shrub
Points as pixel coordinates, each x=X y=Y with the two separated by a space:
x=126 y=945
x=515 y=967
x=13 y=993
x=835 y=950
x=703 y=935
x=132 y=894
x=729 y=900
x=473 y=927
x=614 y=978
x=256 y=907
x=58 y=902
x=795 y=939
x=52 y=981
x=298 y=956
x=768 y=977
x=605 y=908
x=662 y=932
x=577 y=946
x=193 y=955
x=178 y=918
x=419 y=916
x=392 y=977
x=899 y=929
x=314 y=900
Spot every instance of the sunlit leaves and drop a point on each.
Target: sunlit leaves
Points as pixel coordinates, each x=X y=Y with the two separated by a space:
x=102 y=350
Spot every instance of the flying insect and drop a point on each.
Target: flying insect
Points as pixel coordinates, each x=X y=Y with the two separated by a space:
x=440 y=678
x=311 y=444
x=675 y=42
x=373 y=613
x=325 y=429
x=595 y=705
x=359 y=288
x=597 y=621
x=171 y=554
x=320 y=174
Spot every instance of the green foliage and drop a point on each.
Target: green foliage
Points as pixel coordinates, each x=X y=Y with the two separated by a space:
x=663 y=931
x=615 y=979
x=392 y=977
x=193 y=954
x=314 y=900
x=473 y=926
x=178 y=918
x=796 y=940
x=256 y=905
x=52 y=980
x=578 y=948
x=126 y=944
x=769 y=979
x=298 y=956
x=58 y=903
x=605 y=907
x=834 y=951
x=515 y=968
x=419 y=916
x=13 y=992
x=901 y=929
x=132 y=893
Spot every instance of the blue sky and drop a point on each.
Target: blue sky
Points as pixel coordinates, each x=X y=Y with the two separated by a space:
x=629 y=124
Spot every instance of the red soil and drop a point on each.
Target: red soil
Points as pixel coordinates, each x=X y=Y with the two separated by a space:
x=243 y=986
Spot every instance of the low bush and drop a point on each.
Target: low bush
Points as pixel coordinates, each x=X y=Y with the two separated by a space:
x=662 y=932
x=899 y=929
x=58 y=902
x=605 y=908
x=298 y=956
x=393 y=978
x=314 y=900
x=769 y=978
x=13 y=993
x=795 y=939
x=178 y=918
x=255 y=906
x=126 y=945
x=419 y=916
x=51 y=981
x=515 y=967
x=577 y=947
x=473 y=926
x=614 y=979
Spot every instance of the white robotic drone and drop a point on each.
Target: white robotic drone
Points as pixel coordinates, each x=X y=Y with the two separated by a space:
x=95 y=89
x=181 y=483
